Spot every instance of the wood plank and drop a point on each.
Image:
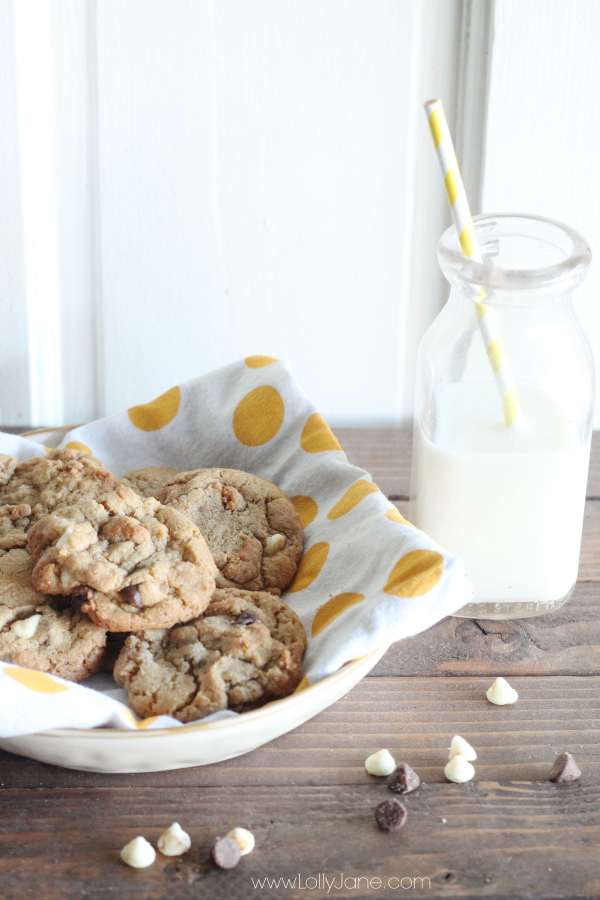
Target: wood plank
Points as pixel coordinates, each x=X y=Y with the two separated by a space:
x=415 y=718
x=564 y=643
x=384 y=452
x=476 y=840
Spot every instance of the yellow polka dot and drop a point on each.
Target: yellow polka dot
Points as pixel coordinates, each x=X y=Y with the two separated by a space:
x=415 y=574
x=310 y=565
x=259 y=416
x=158 y=413
x=332 y=609
x=146 y=722
x=394 y=516
x=48 y=449
x=303 y=685
x=353 y=496
x=317 y=436
x=35 y=681
x=77 y=445
x=306 y=508
x=257 y=362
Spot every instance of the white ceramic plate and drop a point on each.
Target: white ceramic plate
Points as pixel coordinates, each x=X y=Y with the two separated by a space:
x=121 y=750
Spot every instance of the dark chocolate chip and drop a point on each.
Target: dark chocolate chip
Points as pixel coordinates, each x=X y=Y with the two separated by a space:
x=403 y=780
x=132 y=596
x=390 y=815
x=565 y=769
x=247 y=617
x=226 y=853
x=80 y=595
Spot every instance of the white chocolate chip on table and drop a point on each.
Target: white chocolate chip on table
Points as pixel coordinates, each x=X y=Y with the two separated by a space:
x=174 y=841
x=380 y=763
x=138 y=853
x=459 y=769
x=244 y=839
x=458 y=745
x=501 y=693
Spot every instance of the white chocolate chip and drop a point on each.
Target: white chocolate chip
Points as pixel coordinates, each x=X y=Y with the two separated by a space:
x=26 y=628
x=501 y=693
x=138 y=853
x=67 y=581
x=459 y=769
x=174 y=841
x=64 y=539
x=459 y=745
x=275 y=543
x=380 y=763
x=244 y=839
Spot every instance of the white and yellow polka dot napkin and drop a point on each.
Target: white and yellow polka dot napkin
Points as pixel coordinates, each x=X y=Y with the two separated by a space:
x=367 y=577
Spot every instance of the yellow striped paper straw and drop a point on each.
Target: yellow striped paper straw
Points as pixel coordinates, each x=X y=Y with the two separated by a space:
x=463 y=222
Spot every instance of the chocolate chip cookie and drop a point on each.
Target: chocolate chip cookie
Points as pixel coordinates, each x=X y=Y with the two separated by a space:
x=127 y=562
x=38 y=632
x=42 y=485
x=245 y=650
x=251 y=527
x=146 y=482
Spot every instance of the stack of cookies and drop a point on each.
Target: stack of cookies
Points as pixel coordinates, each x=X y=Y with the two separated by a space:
x=181 y=572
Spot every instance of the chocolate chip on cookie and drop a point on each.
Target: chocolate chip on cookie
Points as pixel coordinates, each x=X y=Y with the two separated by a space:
x=131 y=595
x=250 y=526
x=80 y=595
x=247 y=617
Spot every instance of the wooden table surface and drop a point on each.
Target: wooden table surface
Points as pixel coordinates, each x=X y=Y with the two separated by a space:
x=509 y=833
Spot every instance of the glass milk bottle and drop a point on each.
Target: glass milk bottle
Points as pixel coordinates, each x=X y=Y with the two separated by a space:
x=509 y=500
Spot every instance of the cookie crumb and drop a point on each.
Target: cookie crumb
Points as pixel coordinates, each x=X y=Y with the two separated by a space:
x=174 y=841
x=564 y=769
x=391 y=815
x=458 y=745
x=501 y=693
x=138 y=853
x=244 y=838
x=404 y=779
x=226 y=853
x=459 y=769
x=380 y=763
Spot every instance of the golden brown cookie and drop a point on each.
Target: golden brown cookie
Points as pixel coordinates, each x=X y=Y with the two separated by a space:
x=251 y=527
x=127 y=562
x=45 y=484
x=245 y=650
x=146 y=482
x=37 y=632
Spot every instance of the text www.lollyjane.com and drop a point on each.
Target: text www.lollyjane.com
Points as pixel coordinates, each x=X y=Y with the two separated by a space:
x=322 y=882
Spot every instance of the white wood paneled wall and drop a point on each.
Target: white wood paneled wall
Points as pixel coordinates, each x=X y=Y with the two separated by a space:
x=187 y=182
x=543 y=129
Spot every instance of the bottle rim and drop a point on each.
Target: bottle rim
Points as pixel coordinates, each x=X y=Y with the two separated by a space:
x=558 y=277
